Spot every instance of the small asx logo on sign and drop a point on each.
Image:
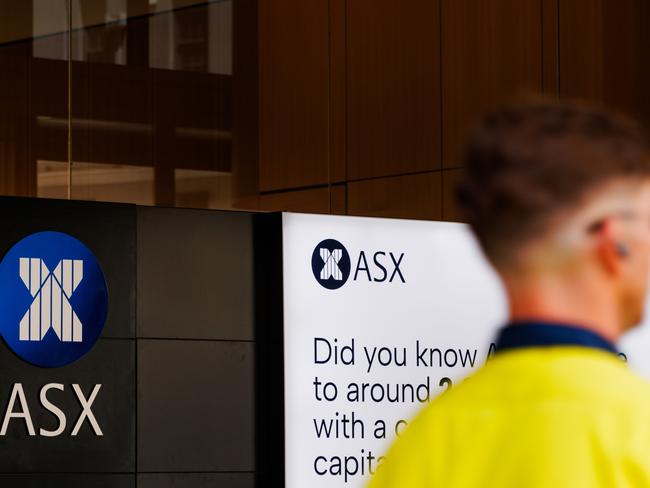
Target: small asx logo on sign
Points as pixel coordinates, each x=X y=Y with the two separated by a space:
x=332 y=265
x=53 y=299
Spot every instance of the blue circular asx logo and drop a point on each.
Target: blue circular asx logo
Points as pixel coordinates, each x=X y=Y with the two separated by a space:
x=330 y=263
x=53 y=299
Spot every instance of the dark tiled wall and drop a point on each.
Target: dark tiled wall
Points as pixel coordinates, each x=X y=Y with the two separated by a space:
x=109 y=230
x=68 y=480
x=195 y=406
x=197 y=480
x=195 y=349
x=176 y=361
x=195 y=274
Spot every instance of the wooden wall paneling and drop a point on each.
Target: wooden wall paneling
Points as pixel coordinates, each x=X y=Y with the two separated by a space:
x=491 y=51
x=193 y=119
x=192 y=123
x=626 y=47
x=80 y=89
x=323 y=200
x=245 y=131
x=162 y=120
x=450 y=180
x=81 y=131
x=409 y=197
x=137 y=33
x=294 y=93
x=338 y=200
x=337 y=94
x=393 y=87
x=48 y=116
x=603 y=53
x=315 y=200
x=550 y=48
x=17 y=165
x=16 y=21
x=121 y=97
x=581 y=49
x=48 y=108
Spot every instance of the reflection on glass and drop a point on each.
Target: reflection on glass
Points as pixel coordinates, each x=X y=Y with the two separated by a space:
x=193 y=39
x=162 y=101
x=105 y=42
x=52 y=179
x=49 y=21
x=203 y=189
x=113 y=183
x=151 y=106
x=98 y=34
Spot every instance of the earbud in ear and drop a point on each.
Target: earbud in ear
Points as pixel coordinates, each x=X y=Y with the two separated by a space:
x=622 y=250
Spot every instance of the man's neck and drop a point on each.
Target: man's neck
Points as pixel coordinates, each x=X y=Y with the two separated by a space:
x=550 y=301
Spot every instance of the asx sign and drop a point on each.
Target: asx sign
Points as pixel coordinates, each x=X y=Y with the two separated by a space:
x=332 y=265
x=53 y=306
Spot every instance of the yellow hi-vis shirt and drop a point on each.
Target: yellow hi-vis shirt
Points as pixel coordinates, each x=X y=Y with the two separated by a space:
x=561 y=416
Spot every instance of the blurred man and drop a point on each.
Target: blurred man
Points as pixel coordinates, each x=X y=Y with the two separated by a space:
x=558 y=195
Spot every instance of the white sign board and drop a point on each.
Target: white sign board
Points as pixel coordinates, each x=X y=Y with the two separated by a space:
x=380 y=316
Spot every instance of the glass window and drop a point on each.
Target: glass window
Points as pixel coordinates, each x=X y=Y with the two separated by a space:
x=150 y=116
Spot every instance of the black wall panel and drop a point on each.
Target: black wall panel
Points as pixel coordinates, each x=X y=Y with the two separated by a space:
x=195 y=274
x=195 y=406
x=176 y=359
x=67 y=480
x=197 y=480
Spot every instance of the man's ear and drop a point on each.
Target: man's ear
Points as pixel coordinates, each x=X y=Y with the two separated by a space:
x=611 y=251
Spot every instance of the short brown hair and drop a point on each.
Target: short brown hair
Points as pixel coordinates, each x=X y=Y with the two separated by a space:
x=529 y=160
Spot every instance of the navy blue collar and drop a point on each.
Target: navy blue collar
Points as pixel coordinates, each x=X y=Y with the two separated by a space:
x=546 y=334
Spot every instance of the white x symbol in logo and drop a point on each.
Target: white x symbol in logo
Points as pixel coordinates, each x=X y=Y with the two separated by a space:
x=331 y=264
x=51 y=306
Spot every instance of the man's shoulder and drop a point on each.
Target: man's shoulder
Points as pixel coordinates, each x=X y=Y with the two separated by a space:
x=630 y=389
x=524 y=405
